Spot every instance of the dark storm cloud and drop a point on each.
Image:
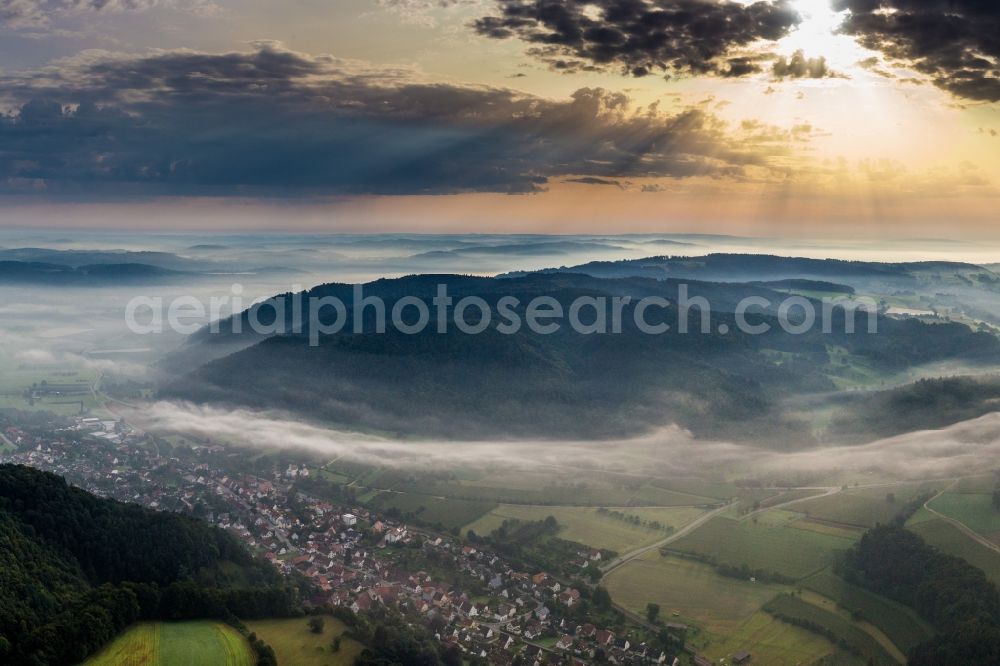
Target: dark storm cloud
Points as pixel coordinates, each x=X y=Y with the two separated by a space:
x=273 y=122
x=955 y=42
x=643 y=36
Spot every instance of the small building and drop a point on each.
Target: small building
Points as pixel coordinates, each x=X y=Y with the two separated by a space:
x=349 y=519
x=741 y=657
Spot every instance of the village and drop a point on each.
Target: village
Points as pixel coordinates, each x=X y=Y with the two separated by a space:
x=354 y=558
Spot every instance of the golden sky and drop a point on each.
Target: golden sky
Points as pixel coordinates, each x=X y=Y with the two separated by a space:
x=803 y=117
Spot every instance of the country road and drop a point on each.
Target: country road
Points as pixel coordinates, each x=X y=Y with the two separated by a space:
x=968 y=531
x=690 y=527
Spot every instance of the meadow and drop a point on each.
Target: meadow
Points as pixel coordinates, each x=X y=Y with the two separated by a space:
x=295 y=644
x=16 y=378
x=448 y=513
x=591 y=527
x=177 y=644
x=900 y=624
x=863 y=507
x=773 y=642
x=840 y=630
x=767 y=544
x=725 y=612
x=974 y=510
x=691 y=589
x=949 y=539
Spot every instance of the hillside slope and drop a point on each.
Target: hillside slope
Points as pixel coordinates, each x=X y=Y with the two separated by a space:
x=76 y=569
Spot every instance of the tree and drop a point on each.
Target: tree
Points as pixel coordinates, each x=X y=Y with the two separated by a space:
x=601 y=599
x=335 y=646
x=316 y=624
x=652 y=612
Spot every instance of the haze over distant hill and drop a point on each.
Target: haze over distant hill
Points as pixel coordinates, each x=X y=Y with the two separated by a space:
x=719 y=384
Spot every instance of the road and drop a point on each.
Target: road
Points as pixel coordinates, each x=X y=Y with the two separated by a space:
x=968 y=531
x=690 y=527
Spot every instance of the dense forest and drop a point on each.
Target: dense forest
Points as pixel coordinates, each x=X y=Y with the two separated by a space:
x=954 y=596
x=76 y=569
x=562 y=384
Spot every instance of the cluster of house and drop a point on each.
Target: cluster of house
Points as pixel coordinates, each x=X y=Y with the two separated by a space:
x=503 y=615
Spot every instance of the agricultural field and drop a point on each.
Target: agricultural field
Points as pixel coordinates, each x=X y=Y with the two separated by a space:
x=974 y=510
x=982 y=483
x=448 y=513
x=700 y=596
x=834 y=627
x=767 y=544
x=595 y=528
x=61 y=389
x=900 y=624
x=863 y=507
x=294 y=644
x=177 y=644
x=774 y=643
x=725 y=611
x=949 y=539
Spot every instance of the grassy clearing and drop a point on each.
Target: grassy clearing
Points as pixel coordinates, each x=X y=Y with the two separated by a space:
x=588 y=526
x=177 y=644
x=771 y=641
x=974 y=510
x=693 y=590
x=448 y=513
x=949 y=539
x=864 y=507
x=829 y=624
x=774 y=548
x=843 y=531
x=294 y=644
x=900 y=624
x=138 y=646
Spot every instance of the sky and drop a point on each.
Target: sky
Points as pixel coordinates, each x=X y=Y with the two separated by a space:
x=853 y=118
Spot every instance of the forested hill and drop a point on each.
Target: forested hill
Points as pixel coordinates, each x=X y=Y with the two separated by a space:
x=76 y=569
x=763 y=267
x=718 y=383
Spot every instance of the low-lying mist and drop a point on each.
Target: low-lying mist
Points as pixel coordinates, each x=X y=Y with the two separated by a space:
x=968 y=447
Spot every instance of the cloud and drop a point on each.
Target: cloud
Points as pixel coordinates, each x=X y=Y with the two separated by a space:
x=800 y=67
x=592 y=180
x=275 y=122
x=640 y=37
x=419 y=12
x=35 y=14
x=954 y=42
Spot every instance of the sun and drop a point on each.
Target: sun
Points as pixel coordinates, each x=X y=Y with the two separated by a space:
x=816 y=35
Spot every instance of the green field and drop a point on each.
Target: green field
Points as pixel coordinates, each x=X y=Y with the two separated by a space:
x=831 y=625
x=974 y=510
x=295 y=645
x=588 y=526
x=983 y=483
x=693 y=590
x=949 y=539
x=772 y=642
x=15 y=377
x=766 y=545
x=725 y=610
x=864 y=507
x=449 y=513
x=900 y=624
x=177 y=644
